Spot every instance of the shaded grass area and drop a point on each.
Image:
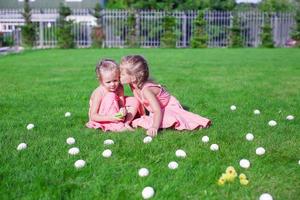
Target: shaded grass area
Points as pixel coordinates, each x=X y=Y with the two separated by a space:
x=40 y=86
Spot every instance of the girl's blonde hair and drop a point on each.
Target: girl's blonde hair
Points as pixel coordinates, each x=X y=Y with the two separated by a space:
x=106 y=65
x=137 y=66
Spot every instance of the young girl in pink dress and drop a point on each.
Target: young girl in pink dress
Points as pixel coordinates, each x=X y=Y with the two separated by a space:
x=164 y=109
x=108 y=100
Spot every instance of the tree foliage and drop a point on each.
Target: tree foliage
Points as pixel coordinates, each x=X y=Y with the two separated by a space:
x=296 y=31
x=275 y=5
x=28 y=30
x=235 y=35
x=65 y=37
x=172 y=4
x=267 y=35
x=97 y=33
x=264 y=5
x=168 y=39
x=222 y=4
x=132 y=40
x=200 y=37
x=97 y=14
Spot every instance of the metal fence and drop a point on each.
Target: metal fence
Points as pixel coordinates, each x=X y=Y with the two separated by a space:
x=149 y=27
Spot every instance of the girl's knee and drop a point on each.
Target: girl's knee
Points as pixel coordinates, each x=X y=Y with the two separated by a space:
x=132 y=102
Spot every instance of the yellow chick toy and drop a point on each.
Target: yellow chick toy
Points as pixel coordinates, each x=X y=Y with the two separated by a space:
x=221 y=181
x=230 y=170
x=242 y=176
x=224 y=176
x=244 y=181
x=230 y=174
x=119 y=115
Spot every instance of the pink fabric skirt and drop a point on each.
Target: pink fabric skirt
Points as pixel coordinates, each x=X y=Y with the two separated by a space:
x=109 y=106
x=174 y=116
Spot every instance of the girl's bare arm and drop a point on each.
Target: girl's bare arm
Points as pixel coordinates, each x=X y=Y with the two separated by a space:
x=150 y=96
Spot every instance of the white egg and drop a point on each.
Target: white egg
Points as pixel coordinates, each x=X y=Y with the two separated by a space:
x=233 y=107
x=173 y=165
x=299 y=162
x=272 y=123
x=108 y=142
x=79 y=164
x=244 y=163
x=147 y=139
x=214 y=147
x=265 y=196
x=290 y=117
x=143 y=172
x=73 y=151
x=249 y=136
x=67 y=114
x=30 y=126
x=106 y=153
x=260 y=151
x=21 y=146
x=70 y=140
x=180 y=153
x=256 y=112
x=148 y=192
x=205 y=139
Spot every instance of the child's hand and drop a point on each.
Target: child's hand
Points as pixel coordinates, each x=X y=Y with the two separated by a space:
x=124 y=111
x=152 y=131
x=118 y=117
x=121 y=114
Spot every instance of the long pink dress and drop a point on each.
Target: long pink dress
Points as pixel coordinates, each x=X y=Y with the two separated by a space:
x=109 y=105
x=173 y=113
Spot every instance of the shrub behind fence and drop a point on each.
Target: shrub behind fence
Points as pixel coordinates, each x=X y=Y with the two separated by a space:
x=149 y=27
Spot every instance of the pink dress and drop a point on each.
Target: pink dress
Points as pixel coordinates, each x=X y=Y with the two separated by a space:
x=173 y=113
x=109 y=105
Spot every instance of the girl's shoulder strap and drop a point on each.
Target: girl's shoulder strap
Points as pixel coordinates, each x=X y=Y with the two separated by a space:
x=151 y=84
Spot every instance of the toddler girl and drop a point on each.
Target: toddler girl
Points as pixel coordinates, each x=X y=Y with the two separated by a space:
x=164 y=109
x=109 y=109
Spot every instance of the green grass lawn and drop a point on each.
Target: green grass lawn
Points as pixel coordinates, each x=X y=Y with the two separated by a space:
x=40 y=86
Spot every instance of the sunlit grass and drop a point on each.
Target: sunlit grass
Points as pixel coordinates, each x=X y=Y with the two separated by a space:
x=40 y=86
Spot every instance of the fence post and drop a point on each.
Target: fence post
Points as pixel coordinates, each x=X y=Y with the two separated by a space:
x=184 y=35
x=41 y=35
x=137 y=27
x=89 y=35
